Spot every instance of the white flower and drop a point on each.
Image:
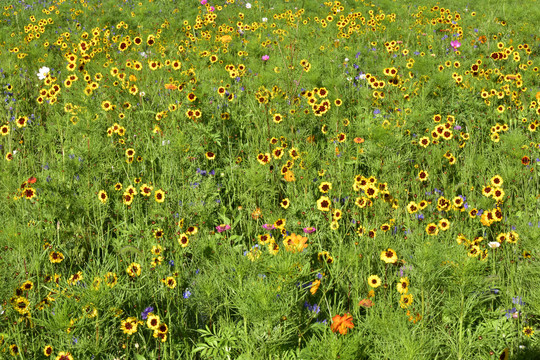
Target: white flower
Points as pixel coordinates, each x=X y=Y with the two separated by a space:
x=142 y=93
x=42 y=74
x=349 y=78
x=362 y=76
x=14 y=152
x=264 y=19
x=346 y=59
x=494 y=244
x=248 y=6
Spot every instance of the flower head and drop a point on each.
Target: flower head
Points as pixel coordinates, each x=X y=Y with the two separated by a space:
x=342 y=323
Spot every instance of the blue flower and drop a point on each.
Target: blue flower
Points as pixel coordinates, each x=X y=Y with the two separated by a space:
x=186 y=294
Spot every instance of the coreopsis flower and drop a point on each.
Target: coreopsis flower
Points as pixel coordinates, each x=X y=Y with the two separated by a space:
x=325 y=186
x=62 y=355
x=48 y=350
x=134 y=270
x=183 y=240
x=342 y=323
x=403 y=285
x=528 y=331
x=323 y=204
x=405 y=301
x=129 y=326
x=389 y=256
x=56 y=257
x=102 y=196
x=374 y=281
x=159 y=196
x=170 y=282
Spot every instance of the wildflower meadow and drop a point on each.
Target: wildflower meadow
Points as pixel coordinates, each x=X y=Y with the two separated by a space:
x=232 y=179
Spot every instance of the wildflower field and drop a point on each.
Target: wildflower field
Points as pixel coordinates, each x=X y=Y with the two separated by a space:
x=224 y=179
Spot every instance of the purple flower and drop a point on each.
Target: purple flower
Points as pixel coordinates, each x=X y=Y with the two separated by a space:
x=268 y=227
x=148 y=310
x=265 y=57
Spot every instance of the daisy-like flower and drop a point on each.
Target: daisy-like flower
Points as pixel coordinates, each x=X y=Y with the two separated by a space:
x=389 y=256
x=405 y=301
x=56 y=257
x=528 y=331
x=423 y=175
x=403 y=285
x=133 y=270
x=432 y=229
x=127 y=198
x=374 y=281
x=285 y=203
x=223 y=227
x=309 y=230
x=444 y=224
x=153 y=321
x=159 y=195
x=129 y=326
x=170 y=282
x=183 y=240
x=323 y=204
x=102 y=196
x=342 y=323
x=4 y=130
x=210 y=155
x=145 y=190
x=48 y=350
x=43 y=72
x=325 y=186
x=62 y=355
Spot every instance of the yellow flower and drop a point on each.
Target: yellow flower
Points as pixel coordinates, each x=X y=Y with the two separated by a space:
x=403 y=285
x=389 y=256
x=374 y=281
x=102 y=196
x=159 y=195
x=129 y=326
x=134 y=269
x=405 y=301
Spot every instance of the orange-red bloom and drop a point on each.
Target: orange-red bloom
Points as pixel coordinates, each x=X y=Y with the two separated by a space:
x=342 y=323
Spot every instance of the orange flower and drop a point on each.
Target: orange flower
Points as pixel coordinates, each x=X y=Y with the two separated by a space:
x=295 y=243
x=365 y=303
x=171 y=87
x=342 y=323
x=358 y=140
x=315 y=286
x=289 y=176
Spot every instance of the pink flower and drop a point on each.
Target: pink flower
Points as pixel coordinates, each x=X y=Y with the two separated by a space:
x=203 y=2
x=221 y=228
x=455 y=44
x=268 y=227
x=309 y=230
x=265 y=57
x=212 y=9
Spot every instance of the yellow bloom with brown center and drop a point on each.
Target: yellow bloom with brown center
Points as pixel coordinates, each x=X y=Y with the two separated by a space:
x=389 y=256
